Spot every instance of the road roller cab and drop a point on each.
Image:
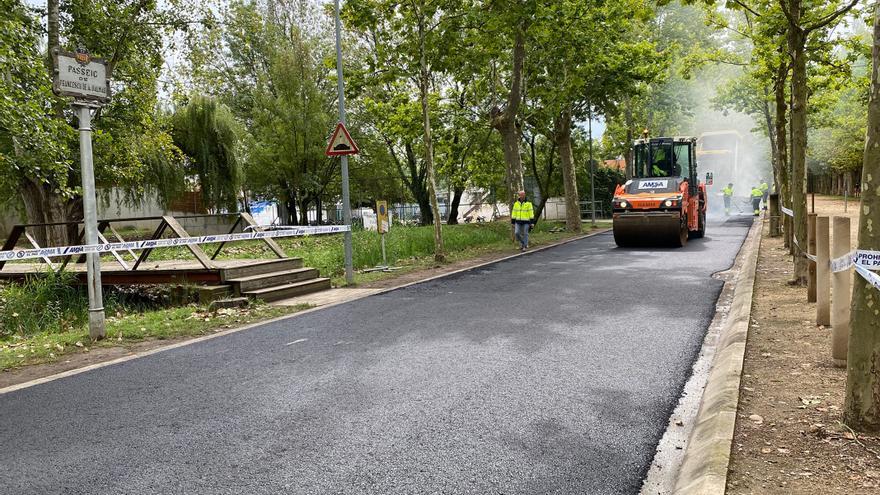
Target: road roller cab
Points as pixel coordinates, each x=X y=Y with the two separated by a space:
x=664 y=202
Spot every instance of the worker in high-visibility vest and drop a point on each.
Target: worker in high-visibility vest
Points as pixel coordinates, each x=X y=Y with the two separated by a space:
x=728 y=196
x=757 y=194
x=766 y=190
x=523 y=218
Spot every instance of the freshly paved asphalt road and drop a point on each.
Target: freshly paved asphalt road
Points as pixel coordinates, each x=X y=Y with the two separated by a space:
x=554 y=372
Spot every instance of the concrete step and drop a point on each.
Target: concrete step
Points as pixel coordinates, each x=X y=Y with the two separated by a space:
x=264 y=280
x=269 y=294
x=261 y=267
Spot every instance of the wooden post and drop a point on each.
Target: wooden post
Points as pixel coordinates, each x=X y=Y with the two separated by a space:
x=823 y=273
x=774 y=215
x=841 y=292
x=811 y=249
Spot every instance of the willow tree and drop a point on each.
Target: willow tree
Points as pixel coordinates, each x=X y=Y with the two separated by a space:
x=207 y=133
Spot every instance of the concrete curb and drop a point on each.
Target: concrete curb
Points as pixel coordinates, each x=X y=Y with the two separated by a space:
x=707 y=456
x=76 y=371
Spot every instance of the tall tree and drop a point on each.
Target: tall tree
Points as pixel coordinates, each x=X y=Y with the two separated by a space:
x=862 y=402
x=613 y=59
x=800 y=26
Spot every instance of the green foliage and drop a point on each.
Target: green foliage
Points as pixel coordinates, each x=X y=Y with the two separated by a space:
x=38 y=135
x=33 y=143
x=270 y=71
x=42 y=303
x=607 y=180
x=208 y=133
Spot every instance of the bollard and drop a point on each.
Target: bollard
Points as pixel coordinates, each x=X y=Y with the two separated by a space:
x=823 y=273
x=811 y=265
x=774 y=215
x=841 y=293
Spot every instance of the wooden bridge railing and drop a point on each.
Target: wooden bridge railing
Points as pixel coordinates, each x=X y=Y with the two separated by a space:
x=166 y=223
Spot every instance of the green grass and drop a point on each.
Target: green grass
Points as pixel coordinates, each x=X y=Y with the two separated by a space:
x=405 y=246
x=46 y=303
x=124 y=329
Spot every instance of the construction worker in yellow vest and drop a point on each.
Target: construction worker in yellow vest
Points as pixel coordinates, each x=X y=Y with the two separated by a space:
x=757 y=194
x=523 y=218
x=766 y=190
x=728 y=195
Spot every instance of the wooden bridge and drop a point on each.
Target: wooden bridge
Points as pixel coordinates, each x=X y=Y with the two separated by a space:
x=266 y=279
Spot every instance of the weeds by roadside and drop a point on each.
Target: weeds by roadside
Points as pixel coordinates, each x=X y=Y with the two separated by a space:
x=127 y=328
x=48 y=303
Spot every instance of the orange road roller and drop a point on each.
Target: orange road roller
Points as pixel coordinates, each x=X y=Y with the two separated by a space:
x=664 y=203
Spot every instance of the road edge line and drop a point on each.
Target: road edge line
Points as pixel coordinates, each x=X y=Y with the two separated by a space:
x=707 y=454
x=138 y=355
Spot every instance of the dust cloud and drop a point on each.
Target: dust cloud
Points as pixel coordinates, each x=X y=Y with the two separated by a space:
x=733 y=146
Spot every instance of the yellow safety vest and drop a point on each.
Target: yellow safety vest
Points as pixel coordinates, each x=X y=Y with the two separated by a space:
x=765 y=187
x=757 y=192
x=728 y=191
x=523 y=212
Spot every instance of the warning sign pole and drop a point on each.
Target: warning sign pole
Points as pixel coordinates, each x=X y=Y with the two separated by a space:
x=346 y=197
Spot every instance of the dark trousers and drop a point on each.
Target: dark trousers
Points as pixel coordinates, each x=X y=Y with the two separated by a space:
x=756 y=204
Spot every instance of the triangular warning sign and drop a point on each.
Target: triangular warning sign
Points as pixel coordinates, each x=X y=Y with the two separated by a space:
x=341 y=143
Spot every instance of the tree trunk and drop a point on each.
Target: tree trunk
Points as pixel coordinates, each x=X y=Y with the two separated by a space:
x=862 y=404
x=74 y=211
x=53 y=25
x=543 y=184
x=505 y=121
x=628 y=116
x=304 y=211
x=540 y=210
x=291 y=208
x=457 y=193
x=797 y=39
x=319 y=211
x=417 y=185
x=424 y=80
x=42 y=205
x=771 y=134
x=782 y=146
x=562 y=136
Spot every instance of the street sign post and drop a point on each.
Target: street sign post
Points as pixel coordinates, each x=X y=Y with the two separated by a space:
x=383 y=225
x=346 y=196
x=84 y=78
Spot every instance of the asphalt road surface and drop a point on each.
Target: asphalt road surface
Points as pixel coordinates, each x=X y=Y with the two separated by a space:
x=554 y=372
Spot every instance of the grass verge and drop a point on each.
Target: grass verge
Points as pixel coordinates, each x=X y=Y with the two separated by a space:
x=410 y=247
x=126 y=329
